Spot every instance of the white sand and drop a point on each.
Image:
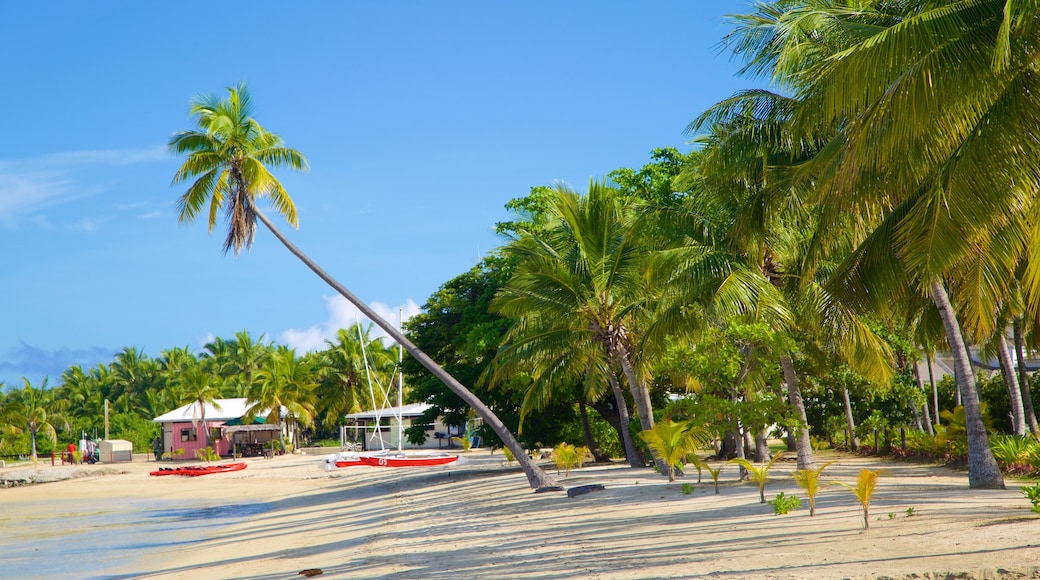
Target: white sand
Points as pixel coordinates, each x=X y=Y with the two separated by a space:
x=481 y=520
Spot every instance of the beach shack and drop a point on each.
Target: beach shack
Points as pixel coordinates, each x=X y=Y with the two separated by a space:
x=182 y=437
x=369 y=427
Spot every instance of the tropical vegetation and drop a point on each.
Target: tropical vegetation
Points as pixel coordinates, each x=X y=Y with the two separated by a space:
x=829 y=243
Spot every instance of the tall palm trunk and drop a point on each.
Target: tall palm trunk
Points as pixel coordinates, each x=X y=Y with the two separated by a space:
x=983 y=472
x=803 y=446
x=537 y=478
x=850 y=422
x=1023 y=375
x=927 y=414
x=1011 y=382
x=935 y=389
x=632 y=454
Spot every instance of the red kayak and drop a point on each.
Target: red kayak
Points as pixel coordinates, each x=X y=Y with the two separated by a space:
x=197 y=470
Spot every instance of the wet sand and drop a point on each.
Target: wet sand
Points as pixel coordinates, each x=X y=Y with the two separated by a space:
x=480 y=520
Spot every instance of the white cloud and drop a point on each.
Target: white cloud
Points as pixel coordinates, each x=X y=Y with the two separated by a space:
x=28 y=185
x=343 y=314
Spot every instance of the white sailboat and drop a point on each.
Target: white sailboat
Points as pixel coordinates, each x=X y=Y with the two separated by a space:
x=386 y=457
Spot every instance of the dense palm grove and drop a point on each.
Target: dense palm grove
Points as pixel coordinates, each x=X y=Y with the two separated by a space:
x=873 y=207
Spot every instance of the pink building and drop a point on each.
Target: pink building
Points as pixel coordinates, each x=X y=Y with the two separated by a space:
x=183 y=436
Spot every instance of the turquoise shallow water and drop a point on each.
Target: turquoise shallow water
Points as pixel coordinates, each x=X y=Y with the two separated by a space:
x=119 y=540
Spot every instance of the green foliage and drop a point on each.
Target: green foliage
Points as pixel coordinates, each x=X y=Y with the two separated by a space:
x=207 y=454
x=782 y=504
x=1010 y=451
x=687 y=488
x=415 y=434
x=1033 y=495
x=509 y=455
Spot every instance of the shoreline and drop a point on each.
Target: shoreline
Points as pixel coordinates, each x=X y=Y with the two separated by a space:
x=482 y=520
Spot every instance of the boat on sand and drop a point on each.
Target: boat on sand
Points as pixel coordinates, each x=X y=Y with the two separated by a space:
x=388 y=459
x=197 y=470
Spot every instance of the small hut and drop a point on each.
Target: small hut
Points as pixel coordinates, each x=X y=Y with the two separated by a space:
x=182 y=437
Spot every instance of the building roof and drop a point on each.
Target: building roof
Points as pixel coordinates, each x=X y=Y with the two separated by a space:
x=218 y=410
x=412 y=410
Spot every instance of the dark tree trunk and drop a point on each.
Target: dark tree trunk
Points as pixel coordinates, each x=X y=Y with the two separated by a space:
x=983 y=472
x=537 y=478
x=590 y=441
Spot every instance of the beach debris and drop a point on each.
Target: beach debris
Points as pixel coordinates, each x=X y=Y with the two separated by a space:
x=583 y=489
x=310 y=572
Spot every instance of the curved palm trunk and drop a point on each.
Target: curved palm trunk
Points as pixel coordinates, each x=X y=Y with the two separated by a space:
x=794 y=395
x=641 y=396
x=536 y=476
x=983 y=472
x=1011 y=382
x=632 y=454
x=1023 y=375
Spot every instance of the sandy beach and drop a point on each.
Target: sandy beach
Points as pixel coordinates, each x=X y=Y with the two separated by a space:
x=284 y=515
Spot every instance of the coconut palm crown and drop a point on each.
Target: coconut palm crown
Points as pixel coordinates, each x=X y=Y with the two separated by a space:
x=228 y=157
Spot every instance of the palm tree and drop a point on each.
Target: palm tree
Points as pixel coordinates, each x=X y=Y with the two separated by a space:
x=932 y=106
x=580 y=282
x=284 y=384
x=228 y=158
x=200 y=387
x=341 y=371
x=33 y=412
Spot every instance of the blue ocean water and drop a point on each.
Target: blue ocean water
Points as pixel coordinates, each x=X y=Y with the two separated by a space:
x=104 y=541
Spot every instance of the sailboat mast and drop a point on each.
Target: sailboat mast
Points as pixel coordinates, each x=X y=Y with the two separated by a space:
x=400 y=383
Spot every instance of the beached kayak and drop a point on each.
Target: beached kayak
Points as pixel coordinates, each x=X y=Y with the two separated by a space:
x=196 y=470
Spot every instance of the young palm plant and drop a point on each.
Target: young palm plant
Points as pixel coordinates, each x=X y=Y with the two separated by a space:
x=673 y=442
x=866 y=483
x=758 y=473
x=809 y=480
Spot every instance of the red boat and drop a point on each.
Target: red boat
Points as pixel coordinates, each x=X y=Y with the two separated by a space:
x=197 y=470
x=401 y=460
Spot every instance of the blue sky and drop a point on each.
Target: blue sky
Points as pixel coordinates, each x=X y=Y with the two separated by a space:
x=420 y=121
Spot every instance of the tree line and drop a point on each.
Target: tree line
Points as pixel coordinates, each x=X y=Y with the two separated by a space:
x=875 y=204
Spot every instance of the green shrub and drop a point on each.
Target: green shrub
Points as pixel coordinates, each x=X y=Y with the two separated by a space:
x=782 y=504
x=1033 y=494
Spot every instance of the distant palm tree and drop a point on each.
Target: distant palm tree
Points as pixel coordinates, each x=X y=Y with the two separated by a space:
x=285 y=384
x=33 y=411
x=228 y=159
x=200 y=387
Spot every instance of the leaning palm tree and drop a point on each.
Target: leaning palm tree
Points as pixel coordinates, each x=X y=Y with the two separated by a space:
x=227 y=163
